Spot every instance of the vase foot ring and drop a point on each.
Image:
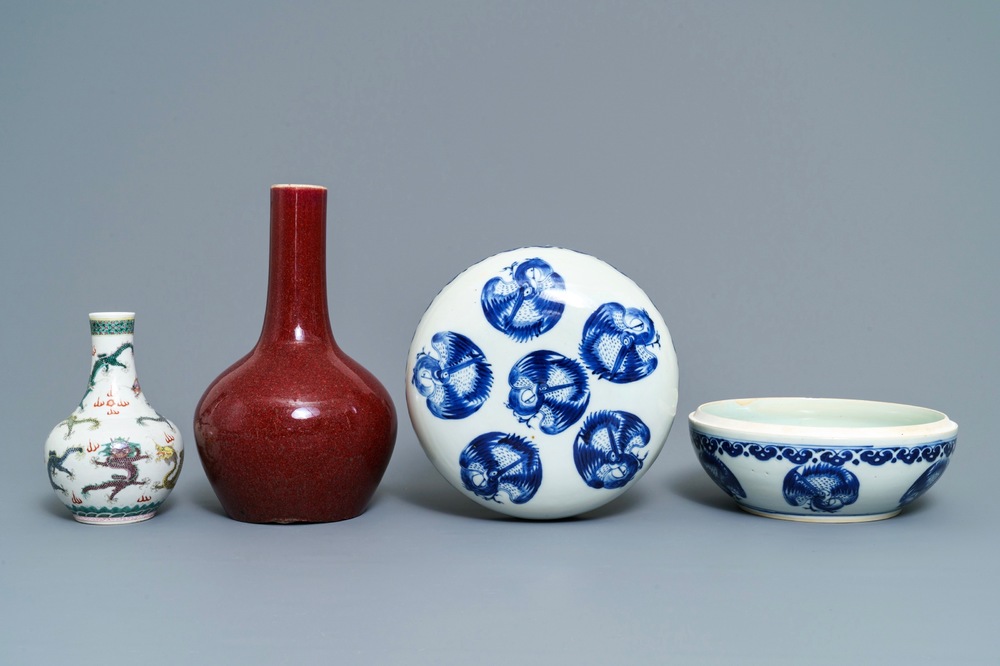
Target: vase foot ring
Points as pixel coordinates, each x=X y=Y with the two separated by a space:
x=114 y=520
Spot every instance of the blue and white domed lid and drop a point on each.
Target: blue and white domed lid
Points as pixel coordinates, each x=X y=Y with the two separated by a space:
x=542 y=382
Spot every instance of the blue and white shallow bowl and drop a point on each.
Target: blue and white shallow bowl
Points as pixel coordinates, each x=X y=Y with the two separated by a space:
x=541 y=382
x=822 y=460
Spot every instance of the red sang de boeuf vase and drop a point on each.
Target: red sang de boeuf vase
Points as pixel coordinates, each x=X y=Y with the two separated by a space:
x=295 y=431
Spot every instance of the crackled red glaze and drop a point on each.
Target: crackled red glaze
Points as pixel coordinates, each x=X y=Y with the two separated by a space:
x=295 y=431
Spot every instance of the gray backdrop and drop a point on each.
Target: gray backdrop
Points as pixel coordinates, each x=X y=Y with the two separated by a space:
x=808 y=192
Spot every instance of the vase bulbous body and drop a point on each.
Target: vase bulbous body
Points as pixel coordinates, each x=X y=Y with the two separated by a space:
x=115 y=458
x=296 y=430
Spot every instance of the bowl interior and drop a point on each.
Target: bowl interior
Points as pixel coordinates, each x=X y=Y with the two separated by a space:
x=821 y=413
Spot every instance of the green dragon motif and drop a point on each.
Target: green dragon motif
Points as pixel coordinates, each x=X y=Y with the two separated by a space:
x=55 y=464
x=159 y=419
x=72 y=422
x=105 y=362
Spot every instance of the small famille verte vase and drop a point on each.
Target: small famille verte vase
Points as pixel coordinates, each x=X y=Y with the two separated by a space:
x=295 y=431
x=115 y=458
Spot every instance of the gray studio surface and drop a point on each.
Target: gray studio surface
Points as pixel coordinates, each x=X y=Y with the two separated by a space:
x=807 y=192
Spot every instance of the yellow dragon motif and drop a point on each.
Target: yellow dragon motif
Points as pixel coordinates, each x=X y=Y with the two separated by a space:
x=169 y=455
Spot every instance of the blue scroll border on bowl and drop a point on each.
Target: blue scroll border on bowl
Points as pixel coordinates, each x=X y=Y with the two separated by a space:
x=839 y=456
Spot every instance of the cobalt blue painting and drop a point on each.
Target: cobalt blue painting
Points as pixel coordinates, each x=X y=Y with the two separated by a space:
x=550 y=387
x=607 y=450
x=617 y=343
x=496 y=463
x=924 y=481
x=820 y=487
x=455 y=378
x=722 y=475
x=526 y=302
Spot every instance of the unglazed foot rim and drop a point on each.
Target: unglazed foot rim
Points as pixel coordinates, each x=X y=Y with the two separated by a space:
x=294 y=521
x=800 y=518
x=116 y=520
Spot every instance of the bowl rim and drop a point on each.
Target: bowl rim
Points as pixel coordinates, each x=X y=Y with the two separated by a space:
x=935 y=425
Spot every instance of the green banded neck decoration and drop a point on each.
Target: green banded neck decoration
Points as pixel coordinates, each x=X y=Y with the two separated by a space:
x=112 y=323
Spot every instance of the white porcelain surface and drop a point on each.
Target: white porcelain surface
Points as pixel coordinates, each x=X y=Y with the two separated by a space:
x=822 y=460
x=114 y=459
x=541 y=382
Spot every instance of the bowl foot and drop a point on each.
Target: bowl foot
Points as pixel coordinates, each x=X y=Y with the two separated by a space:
x=863 y=518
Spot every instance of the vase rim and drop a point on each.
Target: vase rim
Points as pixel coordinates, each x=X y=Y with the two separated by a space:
x=111 y=316
x=296 y=186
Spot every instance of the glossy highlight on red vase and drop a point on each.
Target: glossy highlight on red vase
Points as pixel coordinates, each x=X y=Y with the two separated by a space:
x=296 y=430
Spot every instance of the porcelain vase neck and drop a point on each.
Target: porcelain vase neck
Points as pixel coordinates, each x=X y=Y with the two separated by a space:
x=297 y=308
x=112 y=352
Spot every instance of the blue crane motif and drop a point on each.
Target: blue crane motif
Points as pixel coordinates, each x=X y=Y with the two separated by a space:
x=617 y=343
x=924 y=481
x=455 y=378
x=527 y=303
x=496 y=463
x=723 y=477
x=606 y=450
x=548 y=386
x=820 y=487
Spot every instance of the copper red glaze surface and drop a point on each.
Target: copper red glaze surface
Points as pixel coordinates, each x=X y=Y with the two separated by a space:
x=295 y=431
